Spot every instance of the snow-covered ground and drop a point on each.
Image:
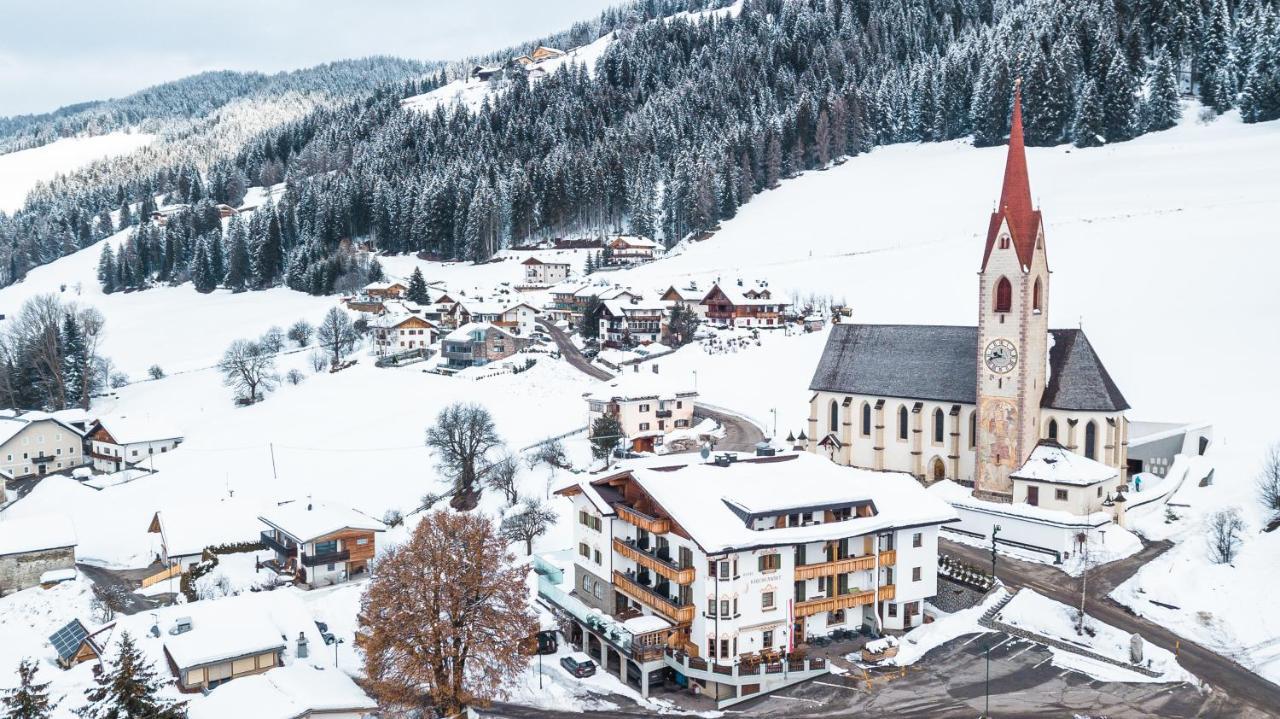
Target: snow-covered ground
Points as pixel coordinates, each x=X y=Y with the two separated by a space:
x=1157 y=245
x=20 y=171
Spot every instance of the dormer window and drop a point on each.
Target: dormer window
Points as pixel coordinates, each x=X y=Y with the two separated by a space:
x=1004 y=242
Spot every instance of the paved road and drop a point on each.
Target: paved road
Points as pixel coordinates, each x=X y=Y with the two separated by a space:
x=951 y=682
x=122 y=583
x=571 y=353
x=740 y=435
x=1222 y=673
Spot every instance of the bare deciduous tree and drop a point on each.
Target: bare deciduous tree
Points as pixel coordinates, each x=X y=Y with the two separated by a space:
x=462 y=437
x=501 y=477
x=300 y=333
x=1224 y=530
x=1269 y=481
x=529 y=521
x=336 y=333
x=445 y=645
x=319 y=360
x=248 y=368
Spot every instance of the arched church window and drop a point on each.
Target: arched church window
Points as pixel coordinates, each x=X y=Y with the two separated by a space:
x=973 y=429
x=1004 y=295
x=902 y=422
x=866 y=419
x=939 y=425
x=1091 y=440
x=834 y=420
x=1004 y=242
x=1035 y=296
x=1052 y=431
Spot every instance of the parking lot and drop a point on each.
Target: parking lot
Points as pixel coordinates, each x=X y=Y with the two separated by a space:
x=951 y=682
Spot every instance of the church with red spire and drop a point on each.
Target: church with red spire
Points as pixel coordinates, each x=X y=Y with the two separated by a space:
x=988 y=406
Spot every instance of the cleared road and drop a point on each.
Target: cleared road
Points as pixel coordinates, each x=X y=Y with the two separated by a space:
x=1223 y=674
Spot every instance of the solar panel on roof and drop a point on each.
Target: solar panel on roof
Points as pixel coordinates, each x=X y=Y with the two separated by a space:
x=67 y=640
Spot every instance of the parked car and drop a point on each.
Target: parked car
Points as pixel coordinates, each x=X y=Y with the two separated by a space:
x=325 y=634
x=578 y=664
x=548 y=642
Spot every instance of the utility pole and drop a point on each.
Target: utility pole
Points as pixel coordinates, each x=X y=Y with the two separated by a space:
x=1084 y=576
x=986 y=713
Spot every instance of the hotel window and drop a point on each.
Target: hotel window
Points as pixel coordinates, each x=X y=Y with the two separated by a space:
x=724 y=608
x=893 y=610
x=915 y=574
x=766 y=638
x=596 y=556
x=770 y=562
x=711 y=607
x=917 y=540
x=644 y=426
x=584 y=550
x=644 y=408
x=1060 y=495
x=766 y=600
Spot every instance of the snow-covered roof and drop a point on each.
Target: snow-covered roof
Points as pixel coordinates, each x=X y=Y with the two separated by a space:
x=463 y=333
x=634 y=241
x=1051 y=462
x=285 y=693
x=713 y=503
x=621 y=307
x=187 y=529
x=36 y=533
x=132 y=429
x=737 y=295
x=477 y=307
x=391 y=320
x=645 y=624
x=641 y=385
x=304 y=520
x=382 y=285
x=212 y=641
x=12 y=422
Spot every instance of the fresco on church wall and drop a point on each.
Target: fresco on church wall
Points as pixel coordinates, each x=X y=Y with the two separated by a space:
x=996 y=456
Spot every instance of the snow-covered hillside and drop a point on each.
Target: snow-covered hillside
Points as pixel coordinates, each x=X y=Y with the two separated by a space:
x=20 y=171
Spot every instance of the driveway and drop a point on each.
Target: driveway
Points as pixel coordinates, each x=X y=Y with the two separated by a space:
x=1223 y=674
x=740 y=434
x=122 y=584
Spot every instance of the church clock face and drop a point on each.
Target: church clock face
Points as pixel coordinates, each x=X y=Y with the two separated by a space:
x=1001 y=356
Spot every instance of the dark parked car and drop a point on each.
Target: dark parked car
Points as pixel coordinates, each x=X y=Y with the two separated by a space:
x=578 y=664
x=548 y=643
x=325 y=634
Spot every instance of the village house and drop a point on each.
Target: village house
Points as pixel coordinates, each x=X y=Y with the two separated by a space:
x=32 y=547
x=627 y=323
x=385 y=290
x=647 y=406
x=754 y=307
x=542 y=274
x=204 y=655
x=183 y=532
x=225 y=211
x=37 y=443
x=319 y=545
x=542 y=52
x=479 y=343
x=736 y=564
x=1055 y=478
x=119 y=442
x=401 y=332
x=629 y=250
x=310 y=691
x=519 y=319
x=689 y=297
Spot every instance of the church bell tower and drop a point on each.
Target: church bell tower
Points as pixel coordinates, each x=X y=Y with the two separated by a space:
x=1013 y=330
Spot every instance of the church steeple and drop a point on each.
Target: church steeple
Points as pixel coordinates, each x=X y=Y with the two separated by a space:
x=1015 y=206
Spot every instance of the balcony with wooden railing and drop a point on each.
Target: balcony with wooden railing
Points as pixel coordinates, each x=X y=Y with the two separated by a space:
x=843 y=566
x=642 y=520
x=810 y=607
x=660 y=603
x=668 y=569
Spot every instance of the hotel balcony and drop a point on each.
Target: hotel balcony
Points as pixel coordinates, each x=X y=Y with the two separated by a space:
x=809 y=607
x=642 y=520
x=658 y=602
x=664 y=567
x=843 y=566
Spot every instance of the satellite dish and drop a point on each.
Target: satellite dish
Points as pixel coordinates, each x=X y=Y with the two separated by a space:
x=705 y=451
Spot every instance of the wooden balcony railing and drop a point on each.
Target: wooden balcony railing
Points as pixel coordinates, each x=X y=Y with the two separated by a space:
x=642 y=520
x=677 y=574
x=843 y=566
x=677 y=613
x=810 y=607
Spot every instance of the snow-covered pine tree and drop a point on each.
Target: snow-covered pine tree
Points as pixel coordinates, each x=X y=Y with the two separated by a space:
x=1046 y=101
x=1215 y=64
x=1163 y=108
x=107 y=268
x=201 y=269
x=1120 y=109
x=30 y=699
x=237 y=262
x=128 y=688
x=417 y=291
x=1088 y=130
x=76 y=363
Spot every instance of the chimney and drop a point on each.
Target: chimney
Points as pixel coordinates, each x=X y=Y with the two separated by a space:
x=302 y=645
x=655 y=368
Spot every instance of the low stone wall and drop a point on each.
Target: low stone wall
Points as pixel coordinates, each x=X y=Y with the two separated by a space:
x=20 y=571
x=954 y=596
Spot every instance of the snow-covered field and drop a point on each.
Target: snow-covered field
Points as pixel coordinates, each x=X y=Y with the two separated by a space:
x=20 y=171
x=1159 y=246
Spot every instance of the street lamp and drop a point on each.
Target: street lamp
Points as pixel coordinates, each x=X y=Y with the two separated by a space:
x=986 y=714
x=336 y=642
